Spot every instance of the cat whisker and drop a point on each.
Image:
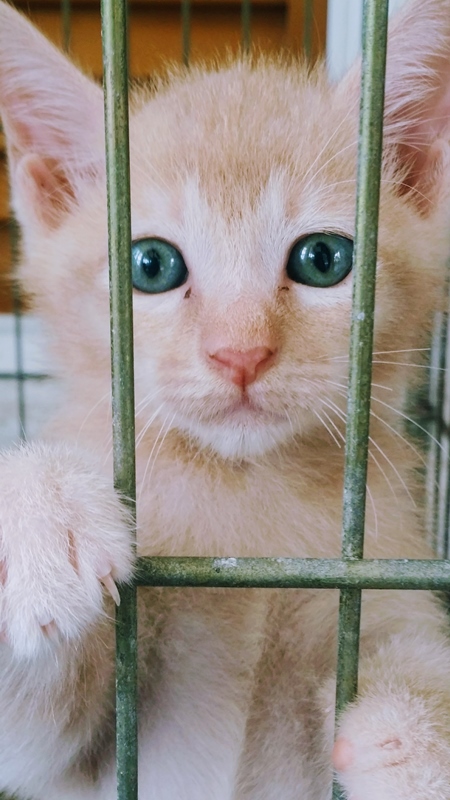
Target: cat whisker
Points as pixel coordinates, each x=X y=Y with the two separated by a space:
x=345 y=356
x=142 y=433
x=408 y=419
x=345 y=386
x=149 y=459
x=374 y=509
x=394 y=469
x=404 y=350
x=394 y=431
x=332 y=158
x=91 y=411
x=316 y=414
x=343 y=416
x=142 y=405
x=328 y=142
x=409 y=364
x=409 y=188
x=148 y=424
x=340 y=433
x=164 y=437
x=399 y=435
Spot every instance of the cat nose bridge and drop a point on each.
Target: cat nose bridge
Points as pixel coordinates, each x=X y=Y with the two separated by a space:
x=241 y=341
x=242 y=367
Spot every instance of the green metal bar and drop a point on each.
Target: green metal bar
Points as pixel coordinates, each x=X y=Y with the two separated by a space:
x=18 y=331
x=114 y=37
x=374 y=44
x=307 y=27
x=295 y=573
x=443 y=507
x=24 y=376
x=434 y=427
x=186 y=30
x=365 y=260
x=246 y=13
x=66 y=23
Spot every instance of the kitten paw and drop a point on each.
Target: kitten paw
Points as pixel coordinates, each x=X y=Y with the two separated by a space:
x=64 y=541
x=395 y=748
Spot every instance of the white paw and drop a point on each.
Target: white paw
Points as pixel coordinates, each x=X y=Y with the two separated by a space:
x=394 y=748
x=64 y=536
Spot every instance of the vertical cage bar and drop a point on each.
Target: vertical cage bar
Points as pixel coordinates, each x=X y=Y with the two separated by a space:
x=443 y=509
x=435 y=400
x=115 y=65
x=307 y=27
x=186 y=31
x=18 y=331
x=246 y=13
x=375 y=17
x=66 y=23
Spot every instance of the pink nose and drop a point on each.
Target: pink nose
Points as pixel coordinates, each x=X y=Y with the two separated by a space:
x=242 y=368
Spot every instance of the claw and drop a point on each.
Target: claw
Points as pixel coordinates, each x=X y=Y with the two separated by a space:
x=48 y=626
x=110 y=586
x=50 y=630
x=44 y=620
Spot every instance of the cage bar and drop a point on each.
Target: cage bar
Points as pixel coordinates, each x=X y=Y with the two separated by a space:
x=294 y=573
x=20 y=375
x=374 y=45
x=308 y=8
x=246 y=12
x=443 y=474
x=66 y=22
x=185 y=31
x=434 y=427
x=115 y=78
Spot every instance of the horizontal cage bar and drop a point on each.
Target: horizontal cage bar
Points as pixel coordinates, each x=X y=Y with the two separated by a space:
x=294 y=573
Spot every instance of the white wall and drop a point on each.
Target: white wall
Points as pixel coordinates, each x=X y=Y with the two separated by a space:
x=344 y=33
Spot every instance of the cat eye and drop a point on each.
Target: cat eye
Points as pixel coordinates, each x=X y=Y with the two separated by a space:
x=320 y=259
x=157 y=266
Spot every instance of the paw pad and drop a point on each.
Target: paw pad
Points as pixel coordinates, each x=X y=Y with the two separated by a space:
x=343 y=754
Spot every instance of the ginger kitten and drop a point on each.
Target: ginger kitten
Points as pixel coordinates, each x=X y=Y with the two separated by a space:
x=243 y=202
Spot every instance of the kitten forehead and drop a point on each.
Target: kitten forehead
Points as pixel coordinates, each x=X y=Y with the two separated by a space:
x=233 y=166
x=225 y=251
x=233 y=127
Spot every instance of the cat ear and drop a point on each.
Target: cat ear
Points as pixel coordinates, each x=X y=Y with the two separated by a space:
x=417 y=100
x=53 y=121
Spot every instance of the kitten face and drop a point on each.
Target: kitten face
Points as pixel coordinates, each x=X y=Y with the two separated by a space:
x=237 y=299
x=235 y=237
x=232 y=168
x=234 y=203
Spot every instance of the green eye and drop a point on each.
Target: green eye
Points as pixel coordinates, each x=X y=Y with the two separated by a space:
x=320 y=259
x=157 y=266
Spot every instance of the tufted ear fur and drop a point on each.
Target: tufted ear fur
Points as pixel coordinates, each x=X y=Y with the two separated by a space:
x=53 y=121
x=417 y=100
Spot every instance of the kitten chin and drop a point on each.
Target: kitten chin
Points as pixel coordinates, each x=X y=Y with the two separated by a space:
x=238 y=440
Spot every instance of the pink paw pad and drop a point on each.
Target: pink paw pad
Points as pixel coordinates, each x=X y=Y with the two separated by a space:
x=343 y=754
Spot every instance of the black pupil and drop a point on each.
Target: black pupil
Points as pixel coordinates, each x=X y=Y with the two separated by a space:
x=151 y=263
x=321 y=257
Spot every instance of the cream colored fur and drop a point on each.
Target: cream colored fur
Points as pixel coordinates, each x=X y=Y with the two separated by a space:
x=232 y=165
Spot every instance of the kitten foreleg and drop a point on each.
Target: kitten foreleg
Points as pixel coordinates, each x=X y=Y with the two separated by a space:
x=63 y=536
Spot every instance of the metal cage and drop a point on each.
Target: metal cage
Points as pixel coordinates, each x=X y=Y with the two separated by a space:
x=351 y=573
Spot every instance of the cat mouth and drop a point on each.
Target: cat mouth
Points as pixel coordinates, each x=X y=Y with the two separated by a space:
x=246 y=411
